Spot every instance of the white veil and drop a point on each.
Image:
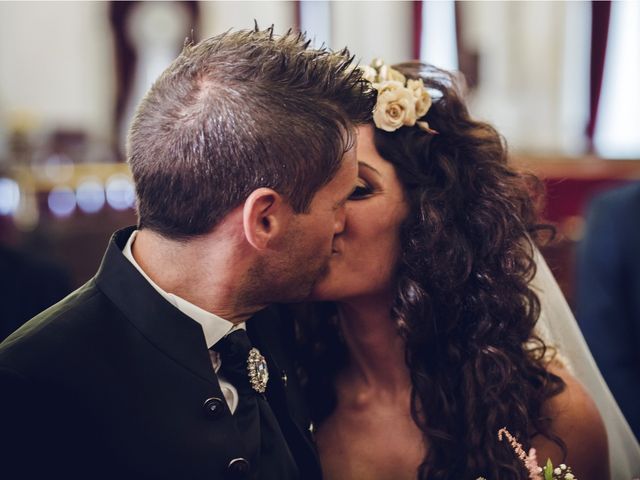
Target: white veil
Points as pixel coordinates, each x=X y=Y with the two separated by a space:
x=557 y=327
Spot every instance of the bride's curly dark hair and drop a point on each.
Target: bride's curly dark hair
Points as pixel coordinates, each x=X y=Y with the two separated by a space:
x=462 y=303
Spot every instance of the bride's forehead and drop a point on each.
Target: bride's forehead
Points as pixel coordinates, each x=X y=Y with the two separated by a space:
x=364 y=132
x=372 y=164
x=368 y=155
x=366 y=149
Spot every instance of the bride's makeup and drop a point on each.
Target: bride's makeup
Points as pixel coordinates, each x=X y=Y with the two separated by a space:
x=367 y=184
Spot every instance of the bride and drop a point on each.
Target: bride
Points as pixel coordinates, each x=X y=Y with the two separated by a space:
x=423 y=343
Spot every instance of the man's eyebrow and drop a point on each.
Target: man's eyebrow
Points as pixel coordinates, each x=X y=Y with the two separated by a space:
x=366 y=165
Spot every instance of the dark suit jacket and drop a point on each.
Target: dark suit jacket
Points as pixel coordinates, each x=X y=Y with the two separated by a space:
x=28 y=285
x=111 y=382
x=609 y=293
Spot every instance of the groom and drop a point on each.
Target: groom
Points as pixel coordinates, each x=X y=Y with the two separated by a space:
x=243 y=157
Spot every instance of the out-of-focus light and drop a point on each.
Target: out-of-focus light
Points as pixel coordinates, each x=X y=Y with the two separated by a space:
x=58 y=168
x=62 y=201
x=9 y=196
x=90 y=195
x=120 y=192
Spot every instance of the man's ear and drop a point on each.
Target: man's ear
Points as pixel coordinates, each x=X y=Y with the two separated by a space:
x=264 y=217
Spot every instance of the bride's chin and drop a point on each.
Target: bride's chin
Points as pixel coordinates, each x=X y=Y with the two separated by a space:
x=324 y=291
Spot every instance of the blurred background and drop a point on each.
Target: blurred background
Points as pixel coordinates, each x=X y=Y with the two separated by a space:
x=558 y=79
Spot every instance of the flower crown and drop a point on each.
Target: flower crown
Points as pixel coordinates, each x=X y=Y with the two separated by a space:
x=401 y=102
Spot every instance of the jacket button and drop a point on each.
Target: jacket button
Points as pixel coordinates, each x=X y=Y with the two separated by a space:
x=238 y=468
x=213 y=407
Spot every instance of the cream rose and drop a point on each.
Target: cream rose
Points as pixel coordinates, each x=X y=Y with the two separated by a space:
x=368 y=73
x=416 y=87
x=395 y=106
x=423 y=99
x=387 y=73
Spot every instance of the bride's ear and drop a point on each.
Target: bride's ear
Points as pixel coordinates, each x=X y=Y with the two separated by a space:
x=264 y=217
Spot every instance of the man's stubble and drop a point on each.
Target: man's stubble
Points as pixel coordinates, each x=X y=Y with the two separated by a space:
x=286 y=280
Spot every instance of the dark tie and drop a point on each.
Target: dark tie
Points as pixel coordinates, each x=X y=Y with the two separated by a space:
x=266 y=448
x=234 y=352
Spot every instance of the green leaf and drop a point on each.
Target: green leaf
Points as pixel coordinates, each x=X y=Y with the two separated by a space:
x=548 y=470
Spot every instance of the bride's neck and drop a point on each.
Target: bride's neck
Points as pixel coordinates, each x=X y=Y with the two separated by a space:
x=376 y=350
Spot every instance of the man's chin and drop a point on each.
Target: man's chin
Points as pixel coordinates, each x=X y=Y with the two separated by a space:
x=303 y=289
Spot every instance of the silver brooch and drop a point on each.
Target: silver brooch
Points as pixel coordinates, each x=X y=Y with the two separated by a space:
x=258 y=372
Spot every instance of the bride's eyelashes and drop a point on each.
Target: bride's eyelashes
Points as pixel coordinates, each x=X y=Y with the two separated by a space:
x=361 y=191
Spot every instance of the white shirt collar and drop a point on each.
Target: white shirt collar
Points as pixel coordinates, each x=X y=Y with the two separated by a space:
x=213 y=326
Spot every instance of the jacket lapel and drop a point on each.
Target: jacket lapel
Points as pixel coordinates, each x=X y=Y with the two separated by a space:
x=172 y=332
x=181 y=338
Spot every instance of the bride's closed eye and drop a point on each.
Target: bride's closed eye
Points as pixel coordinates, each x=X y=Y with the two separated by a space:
x=361 y=192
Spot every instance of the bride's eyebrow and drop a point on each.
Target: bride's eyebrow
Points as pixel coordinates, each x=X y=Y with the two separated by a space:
x=369 y=167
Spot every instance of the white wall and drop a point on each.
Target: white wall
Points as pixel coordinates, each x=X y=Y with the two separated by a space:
x=373 y=29
x=370 y=28
x=617 y=132
x=533 y=72
x=56 y=65
x=56 y=59
x=217 y=17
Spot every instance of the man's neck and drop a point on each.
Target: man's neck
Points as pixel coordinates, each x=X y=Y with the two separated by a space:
x=208 y=271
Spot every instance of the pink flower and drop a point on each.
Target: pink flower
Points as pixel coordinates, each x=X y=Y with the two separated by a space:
x=530 y=461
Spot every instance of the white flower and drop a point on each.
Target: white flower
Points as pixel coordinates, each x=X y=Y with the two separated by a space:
x=368 y=73
x=387 y=73
x=377 y=63
x=395 y=106
x=557 y=471
x=400 y=102
x=416 y=87
x=423 y=99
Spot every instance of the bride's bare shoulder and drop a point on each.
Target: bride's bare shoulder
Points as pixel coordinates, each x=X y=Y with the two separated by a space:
x=577 y=421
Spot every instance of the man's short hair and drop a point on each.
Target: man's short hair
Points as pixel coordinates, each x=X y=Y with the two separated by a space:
x=236 y=112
